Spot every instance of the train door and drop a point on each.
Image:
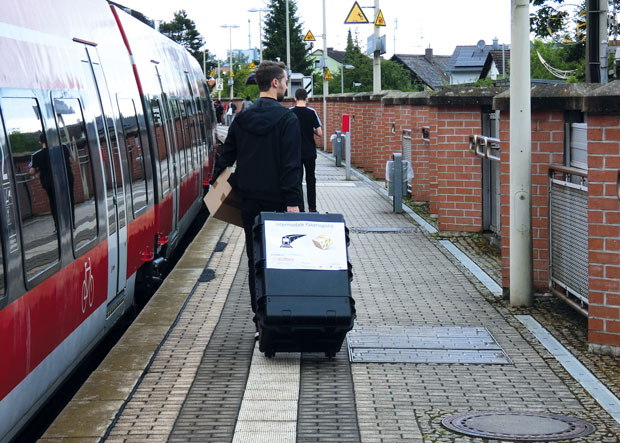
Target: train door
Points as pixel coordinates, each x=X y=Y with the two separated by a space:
x=116 y=213
x=172 y=154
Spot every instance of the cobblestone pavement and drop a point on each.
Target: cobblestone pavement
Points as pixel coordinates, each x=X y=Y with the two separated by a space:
x=408 y=279
x=564 y=323
x=196 y=389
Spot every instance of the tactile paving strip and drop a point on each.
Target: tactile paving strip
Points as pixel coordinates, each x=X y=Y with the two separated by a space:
x=424 y=344
x=326 y=400
x=210 y=410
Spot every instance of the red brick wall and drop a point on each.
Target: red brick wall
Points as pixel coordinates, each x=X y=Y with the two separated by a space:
x=604 y=229
x=459 y=173
x=446 y=173
x=547 y=148
x=421 y=152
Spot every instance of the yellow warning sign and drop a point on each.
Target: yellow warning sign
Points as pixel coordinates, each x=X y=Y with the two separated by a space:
x=356 y=15
x=232 y=74
x=380 y=21
x=328 y=75
x=309 y=37
x=252 y=65
x=211 y=74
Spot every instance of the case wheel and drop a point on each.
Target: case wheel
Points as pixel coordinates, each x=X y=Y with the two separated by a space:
x=330 y=354
x=270 y=354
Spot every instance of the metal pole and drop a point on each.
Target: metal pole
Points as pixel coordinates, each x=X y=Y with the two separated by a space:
x=230 y=62
x=325 y=84
x=395 y=28
x=504 y=60
x=376 y=64
x=603 y=39
x=249 y=36
x=347 y=153
x=260 y=35
x=342 y=79
x=204 y=61
x=520 y=158
x=288 y=51
x=219 y=91
x=397 y=181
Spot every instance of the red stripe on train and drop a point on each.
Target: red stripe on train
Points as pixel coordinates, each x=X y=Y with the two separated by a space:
x=36 y=323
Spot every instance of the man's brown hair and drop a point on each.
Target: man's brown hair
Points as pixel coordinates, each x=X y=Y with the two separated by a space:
x=266 y=72
x=301 y=94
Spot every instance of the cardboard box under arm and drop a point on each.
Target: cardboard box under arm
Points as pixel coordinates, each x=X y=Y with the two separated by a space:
x=223 y=203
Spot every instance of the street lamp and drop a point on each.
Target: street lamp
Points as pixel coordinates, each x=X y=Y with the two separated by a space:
x=230 y=56
x=342 y=68
x=260 y=30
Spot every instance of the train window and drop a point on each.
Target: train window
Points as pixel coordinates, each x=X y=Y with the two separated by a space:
x=160 y=145
x=36 y=197
x=79 y=170
x=201 y=131
x=190 y=124
x=135 y=153
x=178 y=129
x=115 y=159
x=8 y=195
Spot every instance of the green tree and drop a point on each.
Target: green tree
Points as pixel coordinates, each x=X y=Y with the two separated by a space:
x=183 y=30
x=275 y=36
x=551 y=17
x=561 y=57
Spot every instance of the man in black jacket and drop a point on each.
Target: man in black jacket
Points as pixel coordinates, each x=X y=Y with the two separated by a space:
x=266 y=144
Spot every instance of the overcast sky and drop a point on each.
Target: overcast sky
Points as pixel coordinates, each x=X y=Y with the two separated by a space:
x=440 y=24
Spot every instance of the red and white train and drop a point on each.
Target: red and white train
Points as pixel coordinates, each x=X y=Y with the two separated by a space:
x=106 y=142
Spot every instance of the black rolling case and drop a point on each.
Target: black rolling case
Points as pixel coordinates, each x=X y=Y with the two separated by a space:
x=303 y=282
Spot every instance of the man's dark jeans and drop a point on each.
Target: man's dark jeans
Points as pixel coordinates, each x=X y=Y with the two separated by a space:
x=309 y=164
x=249 y=211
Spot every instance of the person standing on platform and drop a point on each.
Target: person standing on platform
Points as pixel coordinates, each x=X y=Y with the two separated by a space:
x=310 y=125
x=266 y=144
x=246 y=104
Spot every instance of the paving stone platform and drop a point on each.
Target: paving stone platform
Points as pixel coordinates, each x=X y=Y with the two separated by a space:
x=203 y=378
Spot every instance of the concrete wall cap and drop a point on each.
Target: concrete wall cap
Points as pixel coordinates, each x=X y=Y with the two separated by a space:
x=406 y=98
x=465 y=96
x=564 y=96
x=604 y=99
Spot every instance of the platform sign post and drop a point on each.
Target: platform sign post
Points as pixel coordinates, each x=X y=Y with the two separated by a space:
x=346 y=130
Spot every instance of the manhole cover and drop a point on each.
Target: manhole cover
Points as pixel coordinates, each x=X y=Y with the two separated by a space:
x=424 y=344
x=518 y=426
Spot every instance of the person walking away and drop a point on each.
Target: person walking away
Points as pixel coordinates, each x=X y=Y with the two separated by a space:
x=266 y=144
x=309 y=125
x=245 y=104
x=230 y=112
x=219 y=110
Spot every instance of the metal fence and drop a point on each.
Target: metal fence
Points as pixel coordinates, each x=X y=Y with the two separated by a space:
x=568 y=226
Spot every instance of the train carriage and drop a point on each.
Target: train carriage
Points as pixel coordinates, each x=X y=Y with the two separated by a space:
x=105 y=140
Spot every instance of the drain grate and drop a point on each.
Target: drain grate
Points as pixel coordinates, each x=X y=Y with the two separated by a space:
x=381 y=229
x=424 y=344
x=518 y=426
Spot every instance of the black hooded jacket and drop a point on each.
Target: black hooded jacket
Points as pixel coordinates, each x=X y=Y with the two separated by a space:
x=266 y=144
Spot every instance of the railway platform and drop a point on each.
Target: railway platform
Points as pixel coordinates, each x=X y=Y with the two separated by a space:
x=432 y=340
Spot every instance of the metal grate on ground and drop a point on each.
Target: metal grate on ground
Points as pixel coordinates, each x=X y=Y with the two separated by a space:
x=424 y=344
